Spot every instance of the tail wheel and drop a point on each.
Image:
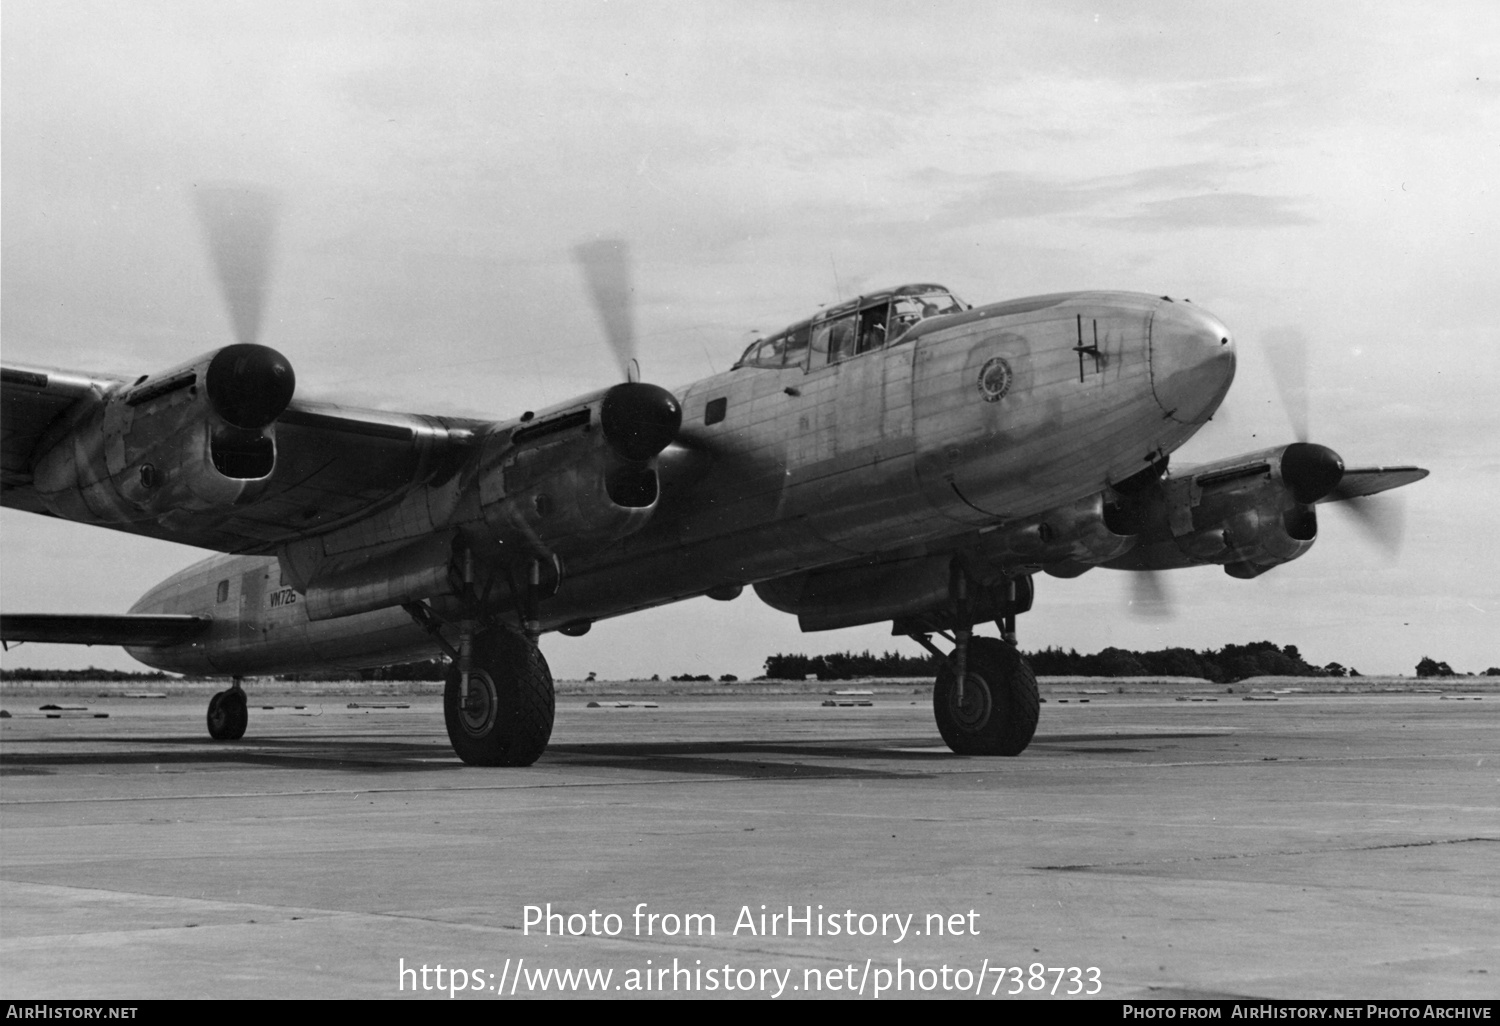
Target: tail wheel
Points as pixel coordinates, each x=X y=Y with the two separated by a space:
x=997 y=713
x=228 y=715
x=507 y=719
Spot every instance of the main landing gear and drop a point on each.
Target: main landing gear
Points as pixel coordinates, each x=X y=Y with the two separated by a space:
x=996 y=710
x=985 y=700
x=505 y=719
x=228 y=714
x=498 y=702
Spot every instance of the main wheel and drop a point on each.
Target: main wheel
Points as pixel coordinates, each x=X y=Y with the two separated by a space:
x=228 y=715
x=998 y=711
x=507 y=720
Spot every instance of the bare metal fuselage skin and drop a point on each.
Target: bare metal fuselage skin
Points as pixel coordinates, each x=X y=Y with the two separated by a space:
x=969 y=422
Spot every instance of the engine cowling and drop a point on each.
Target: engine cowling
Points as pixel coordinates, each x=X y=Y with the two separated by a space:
x=1248 y=514
x=196 y=438
x=581 y=476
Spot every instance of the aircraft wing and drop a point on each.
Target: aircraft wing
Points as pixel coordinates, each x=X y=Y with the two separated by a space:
x=31 y=401
x=334 y=464
x=1361 y=481
x=129 y=629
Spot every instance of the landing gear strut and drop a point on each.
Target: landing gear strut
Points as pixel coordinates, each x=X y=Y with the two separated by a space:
x=985 y=699
x=228 y=714
x=498 y=701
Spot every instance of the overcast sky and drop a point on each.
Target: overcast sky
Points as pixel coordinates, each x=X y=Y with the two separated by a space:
x=1327 y=168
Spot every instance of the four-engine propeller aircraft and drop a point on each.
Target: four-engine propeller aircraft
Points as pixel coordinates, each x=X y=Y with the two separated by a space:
x=900 y=457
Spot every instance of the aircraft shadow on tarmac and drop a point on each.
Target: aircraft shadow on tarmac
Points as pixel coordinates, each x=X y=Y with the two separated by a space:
x=867 y=758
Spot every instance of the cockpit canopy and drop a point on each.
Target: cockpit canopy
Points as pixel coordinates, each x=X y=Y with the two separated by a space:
x=870 y=322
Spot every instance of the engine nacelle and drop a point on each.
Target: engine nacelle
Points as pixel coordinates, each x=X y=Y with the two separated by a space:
x=196 y=438
x=1248 y=514
x=581 y=476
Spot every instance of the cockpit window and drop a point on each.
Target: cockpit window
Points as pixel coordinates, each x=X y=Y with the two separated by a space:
x=834 y=340
x=907 y=311
x=870 y=323
x=788 y=349
x=872 y=334
x=795 y=353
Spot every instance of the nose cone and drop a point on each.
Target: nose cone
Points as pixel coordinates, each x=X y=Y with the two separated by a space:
x=1192 y=362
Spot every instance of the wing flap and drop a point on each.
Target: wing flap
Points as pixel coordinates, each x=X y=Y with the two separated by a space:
x=130 y=629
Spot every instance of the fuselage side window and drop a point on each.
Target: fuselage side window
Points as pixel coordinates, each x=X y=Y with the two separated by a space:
x=223 y=594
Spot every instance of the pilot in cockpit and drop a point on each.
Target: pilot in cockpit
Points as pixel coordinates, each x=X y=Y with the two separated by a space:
x=905 y=316
x=910 y=311
x=872 y=328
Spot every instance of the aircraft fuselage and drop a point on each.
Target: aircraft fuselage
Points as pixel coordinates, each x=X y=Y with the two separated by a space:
x=965 y=423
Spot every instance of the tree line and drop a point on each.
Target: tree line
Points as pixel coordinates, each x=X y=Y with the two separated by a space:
x=1430 y=667
x=422 y=669
x=1224 y=665
x=92 y=674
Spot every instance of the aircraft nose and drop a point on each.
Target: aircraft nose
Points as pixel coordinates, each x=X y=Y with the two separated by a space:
x=1192 y=362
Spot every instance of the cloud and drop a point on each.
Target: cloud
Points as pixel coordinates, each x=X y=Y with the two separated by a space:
x=1196 y=197
x=1213 y=210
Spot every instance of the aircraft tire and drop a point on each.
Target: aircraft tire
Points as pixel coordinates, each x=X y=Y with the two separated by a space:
x=228 y=715
x=1000 y=707
x=511 y=704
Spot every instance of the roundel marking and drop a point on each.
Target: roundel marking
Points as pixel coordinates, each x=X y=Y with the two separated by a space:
x=995 y=379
